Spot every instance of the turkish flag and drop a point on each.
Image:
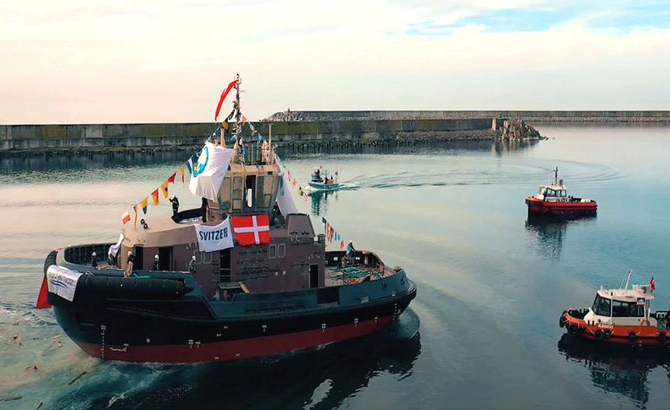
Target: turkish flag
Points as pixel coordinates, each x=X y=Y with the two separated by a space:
x=251 y=230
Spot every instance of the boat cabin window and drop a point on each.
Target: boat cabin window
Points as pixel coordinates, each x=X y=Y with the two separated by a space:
x=627 y=309
x=602 y=306
x=272 y=251
x=281 y=250
x=203 y=257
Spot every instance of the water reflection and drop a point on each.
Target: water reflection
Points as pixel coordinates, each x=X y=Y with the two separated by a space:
x=112 y=159
x=621 y=370
x=496 y=147
x=547 y=234
x=43 y=163
x=500 y=148
x=319 y=201
x=317 y=379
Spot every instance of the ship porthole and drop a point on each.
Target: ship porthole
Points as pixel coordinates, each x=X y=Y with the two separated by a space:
x=632 y=336
x=572 y=329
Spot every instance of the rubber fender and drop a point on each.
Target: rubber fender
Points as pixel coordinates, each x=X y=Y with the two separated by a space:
x=598 y=335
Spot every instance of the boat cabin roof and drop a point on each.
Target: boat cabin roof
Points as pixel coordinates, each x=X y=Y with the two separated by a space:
x=161 y=230
x=627 y=295
x=553 y=186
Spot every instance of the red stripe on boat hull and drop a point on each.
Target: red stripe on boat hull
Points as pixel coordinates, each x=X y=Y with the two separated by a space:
x=537 y=206
x=234 y=350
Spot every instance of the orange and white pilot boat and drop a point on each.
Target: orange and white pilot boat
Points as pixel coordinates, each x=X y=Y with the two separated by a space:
x=553 y=201
x=620 y=317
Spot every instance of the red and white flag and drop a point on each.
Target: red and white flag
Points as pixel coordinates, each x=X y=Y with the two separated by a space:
x=125 y=218
x=251 y=230
x=652 y=283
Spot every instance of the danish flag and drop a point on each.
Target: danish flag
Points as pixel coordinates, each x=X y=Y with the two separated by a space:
x=251 y=230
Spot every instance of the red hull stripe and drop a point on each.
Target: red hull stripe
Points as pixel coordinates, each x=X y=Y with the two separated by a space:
x=234 y=350
x=536 y=205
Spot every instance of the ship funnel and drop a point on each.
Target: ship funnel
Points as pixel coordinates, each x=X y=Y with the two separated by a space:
x=560 y=182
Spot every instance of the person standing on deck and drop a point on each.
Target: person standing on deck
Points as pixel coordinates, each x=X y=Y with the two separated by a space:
x=191 y=265
x=351 y=253
x=131 y=261
x=175 y=205
x=155 y=266
x=94 y=260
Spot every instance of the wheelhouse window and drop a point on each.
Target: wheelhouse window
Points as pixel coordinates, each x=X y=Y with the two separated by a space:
x=204 y=258
x=627 y=309
x=602 y=306
x=562 y=193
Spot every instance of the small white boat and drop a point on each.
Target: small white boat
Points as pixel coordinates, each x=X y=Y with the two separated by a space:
x=322 y=181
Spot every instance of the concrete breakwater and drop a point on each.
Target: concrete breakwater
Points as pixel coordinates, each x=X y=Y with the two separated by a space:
x=25 y=140
x=308 y=130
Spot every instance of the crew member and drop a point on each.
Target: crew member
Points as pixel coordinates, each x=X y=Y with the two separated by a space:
x=94 y=260
x=351 y=252
x=131 y=261
x=191 y=265
x=175 y=205
x=155 y=266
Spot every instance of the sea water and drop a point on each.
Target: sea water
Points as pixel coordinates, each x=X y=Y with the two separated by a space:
x=483 y=331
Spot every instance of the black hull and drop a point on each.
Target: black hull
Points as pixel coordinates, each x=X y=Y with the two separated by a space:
x=188 y=329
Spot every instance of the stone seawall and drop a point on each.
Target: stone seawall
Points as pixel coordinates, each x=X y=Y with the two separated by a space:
x=55 y=139
x=327 y=129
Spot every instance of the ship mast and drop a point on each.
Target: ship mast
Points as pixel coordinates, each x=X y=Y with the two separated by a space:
x=556 y=176
x=237 y=115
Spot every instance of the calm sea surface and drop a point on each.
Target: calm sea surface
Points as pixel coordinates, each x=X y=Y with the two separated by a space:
x=483 y=331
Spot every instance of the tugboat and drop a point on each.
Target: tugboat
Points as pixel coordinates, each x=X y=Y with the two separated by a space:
x=620 y=317
x=320 y=180
x=244 y=276
x=554 y=201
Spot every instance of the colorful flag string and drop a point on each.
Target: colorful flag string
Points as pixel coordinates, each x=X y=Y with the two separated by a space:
x=164 y=188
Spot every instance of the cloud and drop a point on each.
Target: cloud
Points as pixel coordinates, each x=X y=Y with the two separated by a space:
x=151 y=61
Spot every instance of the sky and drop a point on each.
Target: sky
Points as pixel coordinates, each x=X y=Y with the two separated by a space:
x=145 y=61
